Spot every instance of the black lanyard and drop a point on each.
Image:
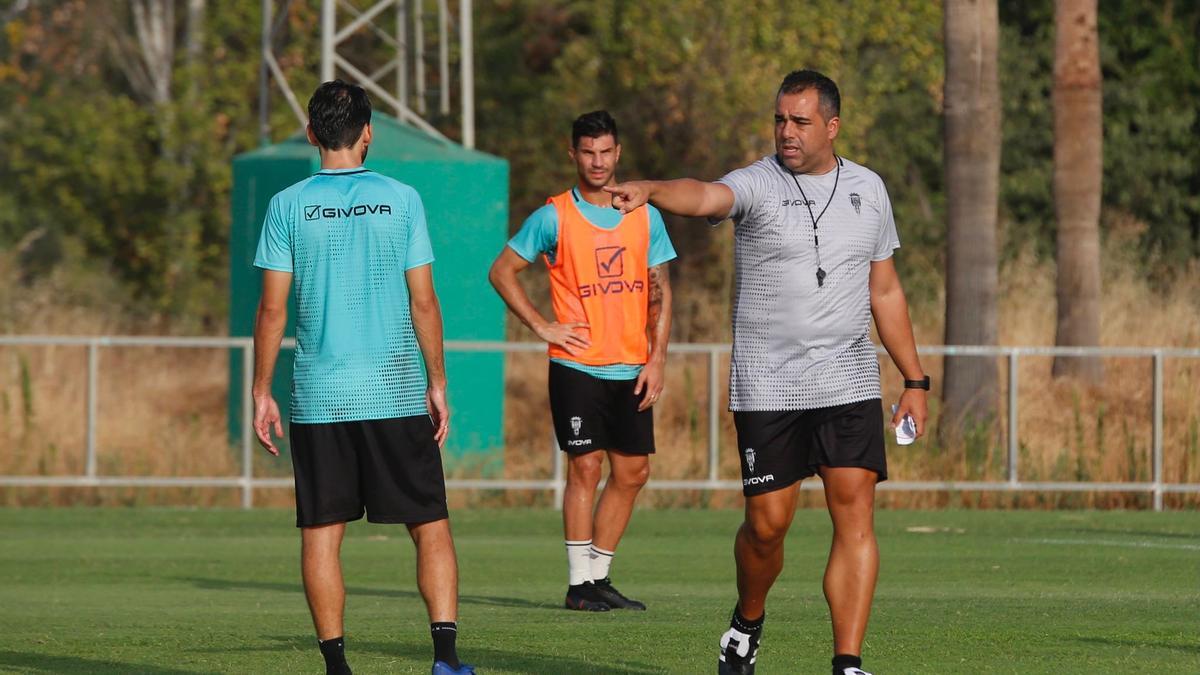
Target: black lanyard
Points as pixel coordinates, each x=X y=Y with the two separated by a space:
x=815 y=219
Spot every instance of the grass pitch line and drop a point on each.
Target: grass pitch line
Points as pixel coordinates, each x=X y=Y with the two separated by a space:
x=1109 y=542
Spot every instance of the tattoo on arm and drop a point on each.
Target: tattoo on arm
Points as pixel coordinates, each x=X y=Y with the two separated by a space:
x=658 y=279
x=658 y=310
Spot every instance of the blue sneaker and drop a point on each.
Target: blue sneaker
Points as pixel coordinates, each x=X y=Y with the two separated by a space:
x=443 y=668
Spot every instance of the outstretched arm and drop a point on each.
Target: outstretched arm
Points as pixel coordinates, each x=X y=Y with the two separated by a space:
x=426 y=314
x=658 y=328
x=503 y=277
x=683 y=196
x=890 y=309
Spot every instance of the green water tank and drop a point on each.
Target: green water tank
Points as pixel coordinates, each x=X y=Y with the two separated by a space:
x=466 y=204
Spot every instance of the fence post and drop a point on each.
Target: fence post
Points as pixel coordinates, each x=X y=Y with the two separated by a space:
x=1014 y=438
x=714 y=361
x=1157 y=458
x=247 y=424
x=93 y=367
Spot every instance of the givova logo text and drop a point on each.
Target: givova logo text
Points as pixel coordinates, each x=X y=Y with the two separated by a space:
x=315 y=211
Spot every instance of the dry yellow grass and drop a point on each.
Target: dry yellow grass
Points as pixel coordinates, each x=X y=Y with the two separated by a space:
x=162 y=411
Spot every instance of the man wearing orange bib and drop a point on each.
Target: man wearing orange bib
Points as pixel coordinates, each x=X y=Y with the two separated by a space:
x=607 y=345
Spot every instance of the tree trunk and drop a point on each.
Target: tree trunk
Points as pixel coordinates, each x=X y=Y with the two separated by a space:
x=972 y=158
x=1077 y=174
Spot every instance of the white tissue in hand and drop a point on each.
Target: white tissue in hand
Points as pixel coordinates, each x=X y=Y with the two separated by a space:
x=906 y=431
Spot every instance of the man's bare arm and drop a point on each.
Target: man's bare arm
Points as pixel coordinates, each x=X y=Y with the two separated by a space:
x=890 y=308
x=503 y=277
x=651 y=381
x=426 y=314
x=269 y=324
x=682 y=196
x=658 y=312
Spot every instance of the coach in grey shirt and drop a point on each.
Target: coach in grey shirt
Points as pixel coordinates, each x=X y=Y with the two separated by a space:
x=813 y=243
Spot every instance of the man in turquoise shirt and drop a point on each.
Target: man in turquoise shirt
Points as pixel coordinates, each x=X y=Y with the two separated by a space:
x=367 y=425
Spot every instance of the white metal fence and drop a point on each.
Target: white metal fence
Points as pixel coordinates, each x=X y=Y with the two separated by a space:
x=247 y=482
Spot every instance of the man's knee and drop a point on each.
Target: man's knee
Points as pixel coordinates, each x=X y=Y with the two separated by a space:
x=632 y=475
x=850 y=490
x=429 y=532
x=584 y=469
x=766 y=530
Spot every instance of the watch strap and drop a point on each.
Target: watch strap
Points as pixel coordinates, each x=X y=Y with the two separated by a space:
x=917 y=384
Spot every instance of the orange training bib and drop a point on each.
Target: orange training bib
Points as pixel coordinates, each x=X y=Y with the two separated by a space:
x=599 y=277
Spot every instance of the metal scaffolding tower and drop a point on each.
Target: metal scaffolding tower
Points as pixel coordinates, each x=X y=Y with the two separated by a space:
x=342 y=19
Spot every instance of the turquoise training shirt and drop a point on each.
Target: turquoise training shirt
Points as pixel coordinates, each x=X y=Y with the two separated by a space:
x=348 y=236
x=539 y=235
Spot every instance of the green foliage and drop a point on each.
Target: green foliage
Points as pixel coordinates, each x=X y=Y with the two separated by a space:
x=138 y=190
x=1150 y=58
x=139 y=187
x=692 y=86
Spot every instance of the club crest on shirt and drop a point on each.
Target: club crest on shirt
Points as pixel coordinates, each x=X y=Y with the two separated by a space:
x=856 y=202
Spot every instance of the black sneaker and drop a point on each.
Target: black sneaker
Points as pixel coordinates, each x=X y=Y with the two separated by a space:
x=584 y=597
x=739 y=651
x=613 y=598
x=850 y=670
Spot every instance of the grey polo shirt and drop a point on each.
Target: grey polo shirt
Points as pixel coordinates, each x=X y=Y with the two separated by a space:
x=797 y=345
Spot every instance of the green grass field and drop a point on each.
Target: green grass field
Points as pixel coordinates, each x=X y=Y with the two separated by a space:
x=173 y=591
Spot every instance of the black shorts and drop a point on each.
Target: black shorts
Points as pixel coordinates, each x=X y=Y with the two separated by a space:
x=392 y=468
x=594 y=414
x=779 y=448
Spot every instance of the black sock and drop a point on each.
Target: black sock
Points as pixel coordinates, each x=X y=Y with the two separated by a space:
x=841 y=661
x=746 y=625
x=445 y=634
x=334 y=651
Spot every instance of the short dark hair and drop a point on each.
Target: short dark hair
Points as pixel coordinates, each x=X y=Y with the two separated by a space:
x=594 y=125
x=828 y=98
x=337 y=113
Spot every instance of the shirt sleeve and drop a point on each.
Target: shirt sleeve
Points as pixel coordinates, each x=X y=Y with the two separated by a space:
x=748 y=188
x=538 y=234
x=419 y=250
x=888 y=240
x=275 y=242
x=661 y=249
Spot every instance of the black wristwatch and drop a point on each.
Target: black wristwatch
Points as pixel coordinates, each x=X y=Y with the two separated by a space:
x=917 y=384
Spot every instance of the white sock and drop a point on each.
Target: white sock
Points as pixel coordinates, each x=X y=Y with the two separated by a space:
x=579 y=564
x=601 y=560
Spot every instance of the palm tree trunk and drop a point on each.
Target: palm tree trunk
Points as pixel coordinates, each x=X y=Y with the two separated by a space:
x=1078 y=167
x=972 y=158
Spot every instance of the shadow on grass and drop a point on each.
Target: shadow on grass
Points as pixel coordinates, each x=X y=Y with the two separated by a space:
x=1193 y=648
x=277 y=586
x=45 y=663
x=488 y=658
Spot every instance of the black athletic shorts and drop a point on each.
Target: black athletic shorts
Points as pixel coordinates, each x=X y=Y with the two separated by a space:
x=392 y=468
x=594 y=414
x=779 y=448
